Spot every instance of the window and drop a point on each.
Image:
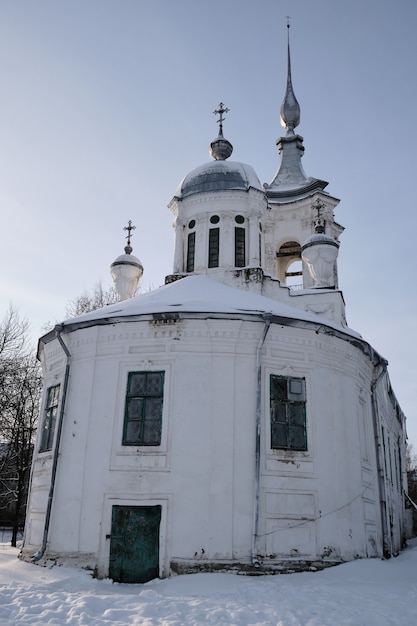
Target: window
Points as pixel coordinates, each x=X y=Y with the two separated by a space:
x=143 y=409
x=49 y=419
x=190 y=252
x=288 y=413
x=213 y=255
x=288 y=255
x=240 y=247
x=294 y=273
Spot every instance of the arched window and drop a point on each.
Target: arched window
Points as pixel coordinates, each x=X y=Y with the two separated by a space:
x=289 y=268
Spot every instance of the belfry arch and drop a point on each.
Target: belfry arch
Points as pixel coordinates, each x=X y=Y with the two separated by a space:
x=288 y=255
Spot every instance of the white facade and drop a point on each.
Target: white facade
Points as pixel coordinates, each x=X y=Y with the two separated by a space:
x=275 y=440
x=323 y=504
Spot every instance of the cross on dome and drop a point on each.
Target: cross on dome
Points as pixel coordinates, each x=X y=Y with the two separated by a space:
x=222 y=109
x=220 y=149
x=129 y=228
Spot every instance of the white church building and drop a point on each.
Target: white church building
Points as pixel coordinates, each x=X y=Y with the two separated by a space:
x=231 y=419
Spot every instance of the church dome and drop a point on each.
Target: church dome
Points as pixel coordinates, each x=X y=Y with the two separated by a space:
x=218 y=175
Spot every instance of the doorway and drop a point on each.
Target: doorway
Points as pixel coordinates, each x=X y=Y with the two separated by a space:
x=134 y=543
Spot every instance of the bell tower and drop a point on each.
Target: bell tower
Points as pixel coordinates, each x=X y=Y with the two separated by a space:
x=295 y=202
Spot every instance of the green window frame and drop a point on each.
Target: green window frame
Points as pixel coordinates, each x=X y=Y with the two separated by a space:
x=288 y=413
x=143 y=409
x=50 y=413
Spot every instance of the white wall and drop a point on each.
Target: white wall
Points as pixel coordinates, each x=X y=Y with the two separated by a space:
x=324 y=502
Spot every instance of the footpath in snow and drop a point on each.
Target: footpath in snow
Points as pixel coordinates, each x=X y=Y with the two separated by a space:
x=362 y=593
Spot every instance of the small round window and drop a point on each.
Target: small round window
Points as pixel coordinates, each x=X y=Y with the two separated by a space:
x=239 y=219
x=214 y=219
x=191 y=224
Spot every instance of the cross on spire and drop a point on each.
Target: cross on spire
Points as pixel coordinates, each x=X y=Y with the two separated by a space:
x=222 y=109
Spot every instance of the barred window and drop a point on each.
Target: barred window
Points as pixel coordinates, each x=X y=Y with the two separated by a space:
x=143 y=409
x=190 y=252
x=240 y=251
x=288 y=413
x=213 y=253
x=49 y=419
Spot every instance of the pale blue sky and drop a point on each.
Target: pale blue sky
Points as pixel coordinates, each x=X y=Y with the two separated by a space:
x=106 y=104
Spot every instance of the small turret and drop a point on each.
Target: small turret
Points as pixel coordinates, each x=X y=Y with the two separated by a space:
x=319 y=253
x=126 y=270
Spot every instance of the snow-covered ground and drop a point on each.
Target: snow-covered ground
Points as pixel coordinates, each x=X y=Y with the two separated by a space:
x=362 y=593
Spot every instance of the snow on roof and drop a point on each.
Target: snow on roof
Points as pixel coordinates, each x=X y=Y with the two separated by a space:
x=218 y=176
x=199 y=294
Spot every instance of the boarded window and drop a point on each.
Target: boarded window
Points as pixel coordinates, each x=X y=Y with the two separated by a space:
x=288 y=413
x=143 y=410
x=213 y=253
x=49 y=419
x=240 y=252
x=190 y=252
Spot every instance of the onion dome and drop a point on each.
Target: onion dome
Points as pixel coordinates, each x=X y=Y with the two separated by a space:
x=220 y=149
x=220 y=174
x=126 y=270
x=319 y=237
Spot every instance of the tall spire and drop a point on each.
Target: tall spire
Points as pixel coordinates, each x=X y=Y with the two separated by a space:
x=290 y=109
x=290 y=179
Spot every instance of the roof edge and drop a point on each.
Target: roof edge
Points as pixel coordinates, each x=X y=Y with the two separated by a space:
x=320 y=327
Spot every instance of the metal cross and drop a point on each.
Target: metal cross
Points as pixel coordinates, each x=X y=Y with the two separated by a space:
x=222 y=109
x=318 y=205
x=319 y=223
x=129 y=229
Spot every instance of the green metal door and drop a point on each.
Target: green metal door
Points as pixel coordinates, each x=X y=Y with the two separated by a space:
x=134 y=543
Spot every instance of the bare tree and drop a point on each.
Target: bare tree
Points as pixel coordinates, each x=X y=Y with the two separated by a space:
x=20 y=389
x=13 y=334
x=411 y=459
x=88 y=301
